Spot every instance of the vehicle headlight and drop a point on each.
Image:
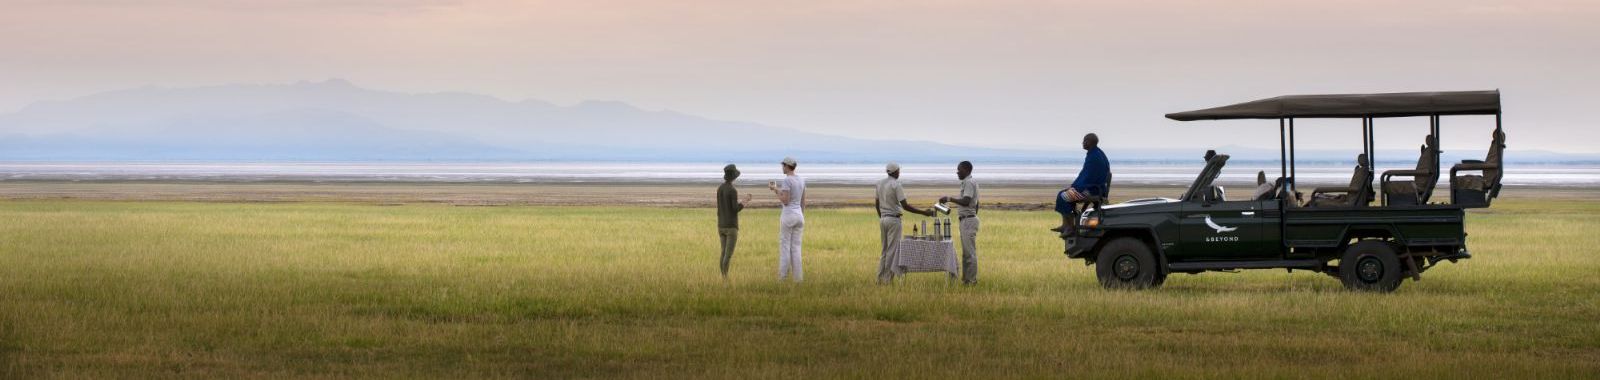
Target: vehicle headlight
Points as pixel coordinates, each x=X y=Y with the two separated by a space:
x=1089 y=220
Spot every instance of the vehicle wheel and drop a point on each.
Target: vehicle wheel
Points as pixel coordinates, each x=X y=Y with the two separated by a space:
x=1126 y=263
x=1370 y=266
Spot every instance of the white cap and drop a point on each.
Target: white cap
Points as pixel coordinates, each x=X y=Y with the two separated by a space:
x=788 y=161
x=893 y=167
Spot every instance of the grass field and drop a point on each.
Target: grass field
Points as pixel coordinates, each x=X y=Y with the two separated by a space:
x=161 y=289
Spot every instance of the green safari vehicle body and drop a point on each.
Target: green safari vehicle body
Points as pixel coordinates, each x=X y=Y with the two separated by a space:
x=1373 y=247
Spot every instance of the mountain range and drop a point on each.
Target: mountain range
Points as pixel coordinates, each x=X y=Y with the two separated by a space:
x=337 y=120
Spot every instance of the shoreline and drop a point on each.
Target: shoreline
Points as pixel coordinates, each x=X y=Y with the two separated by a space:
x=1024 y=196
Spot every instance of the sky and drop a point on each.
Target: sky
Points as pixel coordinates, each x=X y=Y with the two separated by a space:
x=997 y=73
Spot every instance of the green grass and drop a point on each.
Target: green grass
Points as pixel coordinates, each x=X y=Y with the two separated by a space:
x=145 y=289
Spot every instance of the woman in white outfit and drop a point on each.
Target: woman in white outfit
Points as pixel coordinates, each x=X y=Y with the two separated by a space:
x=791 y=192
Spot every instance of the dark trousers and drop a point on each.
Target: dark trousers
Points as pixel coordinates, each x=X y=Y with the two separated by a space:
x=1066 y=200
x=729 y=238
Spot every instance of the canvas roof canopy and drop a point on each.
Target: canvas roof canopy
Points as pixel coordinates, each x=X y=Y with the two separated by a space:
x=1354 y=106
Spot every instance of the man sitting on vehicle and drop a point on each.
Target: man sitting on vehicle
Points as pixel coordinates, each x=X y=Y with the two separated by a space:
x=1091 y=182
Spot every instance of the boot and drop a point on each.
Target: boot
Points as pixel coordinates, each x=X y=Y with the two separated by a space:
x=1066 y=221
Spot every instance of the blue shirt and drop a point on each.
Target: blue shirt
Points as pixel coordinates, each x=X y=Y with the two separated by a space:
x=1096 y=170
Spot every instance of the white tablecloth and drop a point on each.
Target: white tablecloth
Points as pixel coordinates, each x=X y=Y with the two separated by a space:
x=926 y=256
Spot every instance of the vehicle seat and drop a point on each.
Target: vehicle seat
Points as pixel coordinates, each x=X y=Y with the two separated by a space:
x=1358 y=194
x=1478 y=190
x=1266 y=191
x=1423 y=178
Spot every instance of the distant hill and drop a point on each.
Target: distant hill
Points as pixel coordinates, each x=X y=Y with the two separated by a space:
x=336 y=120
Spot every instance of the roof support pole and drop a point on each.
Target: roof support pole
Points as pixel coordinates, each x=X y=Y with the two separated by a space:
x=1366 y=141
x=1286 y=193
x=1372 y=155
x=1290 y=192
x=1372 y=146
x=1363 y=138
x=1434 y=128
x=1283 y=151
x=1291 y=154
x=1495 y=193
x=1437 y=139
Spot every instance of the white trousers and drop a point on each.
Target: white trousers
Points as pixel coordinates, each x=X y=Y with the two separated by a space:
x=790 y=227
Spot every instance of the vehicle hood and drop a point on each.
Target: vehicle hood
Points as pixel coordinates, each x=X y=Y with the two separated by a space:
x=1139 y=206
x=1140 y=202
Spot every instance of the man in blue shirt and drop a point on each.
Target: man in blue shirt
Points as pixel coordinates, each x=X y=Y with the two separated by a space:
x=1092 y=181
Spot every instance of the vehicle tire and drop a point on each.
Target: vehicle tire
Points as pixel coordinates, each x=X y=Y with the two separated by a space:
x=1126 y=263
x=1370 y=266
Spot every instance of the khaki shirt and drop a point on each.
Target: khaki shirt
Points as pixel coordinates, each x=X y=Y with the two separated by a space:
x=889 y=196
x=969 y=188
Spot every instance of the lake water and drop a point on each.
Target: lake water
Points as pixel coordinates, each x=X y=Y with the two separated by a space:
x=1559 y=175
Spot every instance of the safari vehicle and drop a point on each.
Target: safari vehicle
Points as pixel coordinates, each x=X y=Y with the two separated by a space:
x=1339 y=231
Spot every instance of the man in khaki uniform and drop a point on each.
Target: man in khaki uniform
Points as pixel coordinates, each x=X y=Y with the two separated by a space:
x=968 y=200
x=890 y=200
